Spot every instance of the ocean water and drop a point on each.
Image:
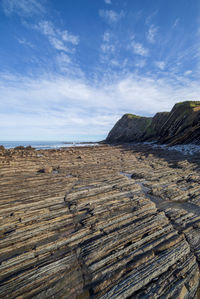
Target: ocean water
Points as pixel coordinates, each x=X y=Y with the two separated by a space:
x=45 y=144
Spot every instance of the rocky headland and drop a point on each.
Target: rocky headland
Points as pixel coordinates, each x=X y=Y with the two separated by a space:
x=99 y=222
x=179 y=126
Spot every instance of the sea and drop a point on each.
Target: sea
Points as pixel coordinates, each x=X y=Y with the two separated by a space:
x=46 y=144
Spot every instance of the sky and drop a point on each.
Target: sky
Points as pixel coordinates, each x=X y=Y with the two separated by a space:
x=70 y=69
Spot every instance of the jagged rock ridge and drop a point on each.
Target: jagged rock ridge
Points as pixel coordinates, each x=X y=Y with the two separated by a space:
x=179 y=126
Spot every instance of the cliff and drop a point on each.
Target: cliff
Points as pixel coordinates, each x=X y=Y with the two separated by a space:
x=129 y=128
x=156 y=125
x=179 y=126
x=182 y=125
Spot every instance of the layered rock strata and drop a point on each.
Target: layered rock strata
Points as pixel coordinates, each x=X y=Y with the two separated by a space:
x=179 y=126
x=74 y=224
x=129 y=128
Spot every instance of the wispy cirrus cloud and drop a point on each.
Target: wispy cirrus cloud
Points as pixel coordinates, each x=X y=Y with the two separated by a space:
x=160 y=64
x=58 y=44
x=106 y=36
x=74 y=95
x=188 y=72
x=63 y=59
x=23 y=8
x=139 y=49
x=67 y=65
x=25 y=42
x=59 y=39
x=111 y=16
x=48 y=29
x=151 y=34
x=108 y=48
x=175 y=24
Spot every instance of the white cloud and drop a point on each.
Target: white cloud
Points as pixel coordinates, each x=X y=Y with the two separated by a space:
x=111 y=16
x=160 y=64
x=24 y=42
x=64 y=63
x=114 y=62
x=187 y=73
x=175 y=23
x=59 y=106
x=107 y=48
x=23 y=8
x=60 y=40
x=139 y=49
x=58 y=44
x=108 y=1
x=46 y=28
x=106 y=36
x=63 y=59
x=70 y=38
x=52 y=107
x=151 y=34
x=68 y=66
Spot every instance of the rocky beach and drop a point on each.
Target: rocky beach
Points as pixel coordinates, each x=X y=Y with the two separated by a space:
x=99 y=149
x=99 y=222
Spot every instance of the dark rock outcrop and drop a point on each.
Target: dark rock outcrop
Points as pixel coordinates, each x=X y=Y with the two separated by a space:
x=156 y=125
x=129 y=128
x=182 y=124
x=179 y=126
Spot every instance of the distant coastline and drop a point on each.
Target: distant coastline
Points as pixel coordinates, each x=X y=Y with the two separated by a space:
x=46 y=144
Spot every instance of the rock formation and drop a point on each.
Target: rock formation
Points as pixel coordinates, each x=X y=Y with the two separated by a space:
x=180 y=126
x=104 y=222
x=129 y=128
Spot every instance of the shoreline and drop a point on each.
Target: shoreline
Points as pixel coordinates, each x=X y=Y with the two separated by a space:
x=46 y=145
x=185 y=149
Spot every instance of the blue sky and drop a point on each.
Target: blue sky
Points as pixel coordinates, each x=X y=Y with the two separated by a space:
x=71 y=69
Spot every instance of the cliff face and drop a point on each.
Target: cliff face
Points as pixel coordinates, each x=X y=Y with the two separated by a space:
x=129 y=128
x=179 y=126
x=182 y=124
x=156 y=125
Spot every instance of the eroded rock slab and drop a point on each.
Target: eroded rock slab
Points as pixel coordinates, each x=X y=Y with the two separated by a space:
x=87 y=230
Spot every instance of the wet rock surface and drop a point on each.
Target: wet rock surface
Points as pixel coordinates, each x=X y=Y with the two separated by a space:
x=99 y=222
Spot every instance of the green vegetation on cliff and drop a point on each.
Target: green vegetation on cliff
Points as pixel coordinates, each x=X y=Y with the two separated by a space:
x=129 y=115
x=191 y=104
